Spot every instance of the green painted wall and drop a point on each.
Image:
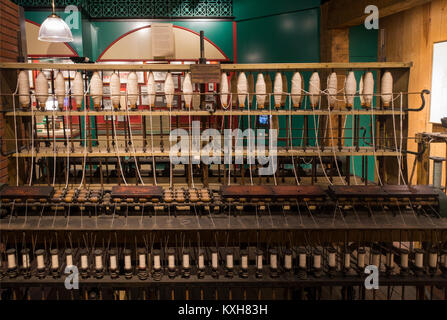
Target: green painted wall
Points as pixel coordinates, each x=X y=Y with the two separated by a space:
x=362 y=48
x=247 y=9
x=279 y=31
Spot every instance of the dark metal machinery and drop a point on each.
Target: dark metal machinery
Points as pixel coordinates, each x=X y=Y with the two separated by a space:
x=137 y=227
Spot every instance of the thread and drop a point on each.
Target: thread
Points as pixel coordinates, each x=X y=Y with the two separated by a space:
x=132 y=89
x=387 y=89
x=368 y=89
x=115 y=90
x=59 y=90
x=96 y=90
x=41 y=90
x=296 y=88
x=78 y=90
x=242 y=88
x=314 y=89
x=187 y=90
x=277 y=90
x=332 y=89
x=169 y=89
x=151 y=90
x=23 y=81
x=350 y=89
x=260 y=91
x=224 y=90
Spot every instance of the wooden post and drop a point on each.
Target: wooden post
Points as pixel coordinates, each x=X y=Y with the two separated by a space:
x=423 y=161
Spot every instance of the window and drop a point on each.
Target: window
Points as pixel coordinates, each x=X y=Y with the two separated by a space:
x=438 y=104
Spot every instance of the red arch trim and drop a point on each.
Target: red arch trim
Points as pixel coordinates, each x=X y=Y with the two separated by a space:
x=178 y=27
x=75 y=54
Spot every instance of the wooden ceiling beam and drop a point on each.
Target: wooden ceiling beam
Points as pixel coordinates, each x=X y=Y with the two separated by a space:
x=348 y=13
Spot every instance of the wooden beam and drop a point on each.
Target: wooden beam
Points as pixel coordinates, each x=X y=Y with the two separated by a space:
x=227 y=67
x=348 y=13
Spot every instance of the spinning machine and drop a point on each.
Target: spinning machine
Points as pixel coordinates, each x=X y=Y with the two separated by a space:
x=103 y=194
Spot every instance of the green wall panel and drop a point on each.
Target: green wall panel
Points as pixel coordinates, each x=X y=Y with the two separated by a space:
x=291 y=37
x=247 y=9
x=362 y=48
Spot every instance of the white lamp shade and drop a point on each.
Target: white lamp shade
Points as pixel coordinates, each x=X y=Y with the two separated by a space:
x=54 y=29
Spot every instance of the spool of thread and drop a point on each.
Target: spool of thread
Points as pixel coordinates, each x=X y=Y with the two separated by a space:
x=314 y=89
x=368 y=89
x=132 y=89
x=68 y=257
x=288 y=260
x=361 y=253
x=171 y=258
x=59 y=90
x=404 y=258
x=244 y=259
x=169 y=89
x=214 y=259
x=224 y=90
x=277 y=90
x=350 y=89
x=201 y=260
x=375 y=258
x=11 y=256
x=302 y=258
x=113 y=263
x=24 y=98
x=187 y=90
x=151 y=89
x=98 y=259
x=297 y=83
x=419 y=258
x=433 y=258
x=127 y=260
x=229 y=263
x=274 y=259
x=242 y=89
x=96 y=90
x=84 y=259
x=260 y=91
x=157 y=259
x=185 y=259
x=347 y=259
x=390 y=259
x=317 y=259
x=115 y=90
x=141 y=258
x=40 y=256
x=25 y=258
x=78 y=90
x=259 y=257
x=444 y=258
x=41 y=90
x=387 y=89
x=332 y=90
x=54 y=259
x=332 y=257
